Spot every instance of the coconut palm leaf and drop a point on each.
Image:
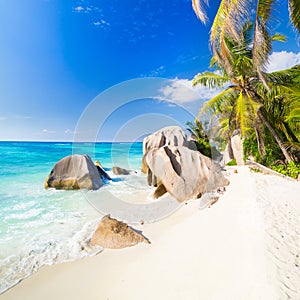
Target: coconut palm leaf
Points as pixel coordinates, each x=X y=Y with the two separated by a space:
x=278 y=37
x=215 y=104
x=210 y=80
x=199 y=10
x=244 y=6
x=294 y=10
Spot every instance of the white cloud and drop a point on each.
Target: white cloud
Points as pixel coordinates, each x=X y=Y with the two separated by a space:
x=86 y=9
x=79 y=8
x=182 y=91
x=155 y=73
x=3 y=118
x=283 y=60
x=101 y=23
x=48 y=131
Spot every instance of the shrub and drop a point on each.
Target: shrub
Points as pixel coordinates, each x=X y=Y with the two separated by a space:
x=291 y=169
x=231 y=163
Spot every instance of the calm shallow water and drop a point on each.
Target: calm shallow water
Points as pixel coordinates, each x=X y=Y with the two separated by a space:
x=39 y=226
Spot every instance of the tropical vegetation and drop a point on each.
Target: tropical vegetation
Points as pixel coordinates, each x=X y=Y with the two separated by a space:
x=200 y=137
x=264 y=107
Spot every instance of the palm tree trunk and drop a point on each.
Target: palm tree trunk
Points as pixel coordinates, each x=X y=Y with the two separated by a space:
x=259 y=137
x=229 y=147
x=275 y=135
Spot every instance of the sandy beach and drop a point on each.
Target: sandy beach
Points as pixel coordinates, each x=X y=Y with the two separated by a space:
x=246 y=246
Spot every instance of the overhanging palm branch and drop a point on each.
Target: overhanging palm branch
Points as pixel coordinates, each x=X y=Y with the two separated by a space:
x=242 y=8
x=227 y=23
x=294 y=10
x=211 y=80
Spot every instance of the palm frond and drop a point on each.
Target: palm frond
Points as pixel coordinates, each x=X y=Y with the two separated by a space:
x=241 y=112
x=215 y=104
x=294 y=10
x=199 y=10
x=210 y=80
x=279 y=37
x=230 y=17
x=294 y=115
x=262 y=42
x=227 y=27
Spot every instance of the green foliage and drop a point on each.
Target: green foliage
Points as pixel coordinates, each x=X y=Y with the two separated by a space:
x=253 y=100
x=291 y=170
x=279 y=37
x=272 y=150
x=201 y=138
x=231 y=163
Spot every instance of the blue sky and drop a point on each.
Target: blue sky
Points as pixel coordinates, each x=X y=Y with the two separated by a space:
x=57 y=56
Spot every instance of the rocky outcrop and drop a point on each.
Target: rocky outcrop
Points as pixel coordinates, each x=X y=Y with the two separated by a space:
x=167 y=136
x=120 y=171
x=173 y=165
x=115 y=234
x=74 y=172
x=101 y=171
x=235 y=149
x=184 y=173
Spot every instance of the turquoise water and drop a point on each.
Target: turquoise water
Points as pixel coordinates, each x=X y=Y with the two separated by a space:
x=41 y=226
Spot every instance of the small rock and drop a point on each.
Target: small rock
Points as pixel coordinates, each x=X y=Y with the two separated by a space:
x=160 y=190
x=120 y=171
x=214 y=200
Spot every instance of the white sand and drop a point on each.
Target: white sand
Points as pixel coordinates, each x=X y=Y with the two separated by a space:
x=233 y=250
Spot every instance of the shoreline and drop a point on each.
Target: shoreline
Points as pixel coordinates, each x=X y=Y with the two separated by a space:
x=224 y=251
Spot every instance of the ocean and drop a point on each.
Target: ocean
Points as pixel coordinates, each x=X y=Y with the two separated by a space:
x=40 y=226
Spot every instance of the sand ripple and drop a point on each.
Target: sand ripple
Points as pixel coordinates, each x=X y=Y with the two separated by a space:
x=280 y=201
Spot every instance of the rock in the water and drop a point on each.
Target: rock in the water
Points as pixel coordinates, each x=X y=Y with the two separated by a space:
x=101 y=170
x=172 y=163
x=74 y=172
x=120 y=171
x=115 y=234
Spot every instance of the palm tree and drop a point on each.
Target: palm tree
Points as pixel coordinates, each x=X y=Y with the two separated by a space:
x=228 y=22
x=243 y=102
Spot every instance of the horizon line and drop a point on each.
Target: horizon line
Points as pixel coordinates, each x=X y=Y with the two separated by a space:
x=63 y=141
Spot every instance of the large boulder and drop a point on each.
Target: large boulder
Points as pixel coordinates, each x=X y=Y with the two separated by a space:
x=184 y=173
x=235 y=149
x=115 y=234
x=74 y=172
x=173 y=164
x=167 y=136
x=171 y=135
